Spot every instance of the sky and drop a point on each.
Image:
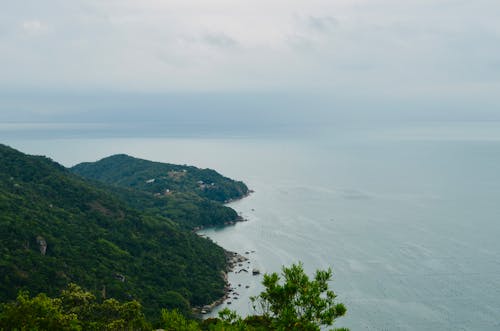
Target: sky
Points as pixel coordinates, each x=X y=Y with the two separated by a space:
x=275 y=60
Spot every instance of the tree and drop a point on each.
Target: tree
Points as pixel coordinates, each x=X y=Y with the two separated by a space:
x=75 y=309
x=37 y=313
x=299 y=303
x=173 y=320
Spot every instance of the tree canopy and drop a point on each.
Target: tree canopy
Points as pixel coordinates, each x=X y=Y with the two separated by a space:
x=156 y=177
x=297 y=304
x=74 y=309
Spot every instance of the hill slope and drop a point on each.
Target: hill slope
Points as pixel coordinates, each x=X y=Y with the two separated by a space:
x=56 y=228
x=162 y=178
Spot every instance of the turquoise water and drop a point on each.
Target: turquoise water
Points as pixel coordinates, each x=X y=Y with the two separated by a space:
x=408 y=218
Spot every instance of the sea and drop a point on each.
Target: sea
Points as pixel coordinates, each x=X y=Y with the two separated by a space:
x=407 y=216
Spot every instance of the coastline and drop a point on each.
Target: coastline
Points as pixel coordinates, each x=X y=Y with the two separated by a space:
x=238 y=218
x=240 y=198
x=233 y=260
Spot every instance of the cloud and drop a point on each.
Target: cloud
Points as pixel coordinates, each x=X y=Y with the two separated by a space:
x=34 y=27
x=322 y=23
x=419 y=50
x=220 y=40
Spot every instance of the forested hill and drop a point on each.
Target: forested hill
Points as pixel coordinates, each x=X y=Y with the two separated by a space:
x=162 y=178
x=190 y=196
x=57 y=228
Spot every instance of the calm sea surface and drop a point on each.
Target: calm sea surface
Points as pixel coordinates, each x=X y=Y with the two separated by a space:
x=408 y=218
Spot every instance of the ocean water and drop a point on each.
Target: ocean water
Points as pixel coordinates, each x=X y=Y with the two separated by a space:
x=407 y=217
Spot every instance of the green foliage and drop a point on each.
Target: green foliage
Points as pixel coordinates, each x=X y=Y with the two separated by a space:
x=155 y=177
x=38 y=313
x=113 y=315
x=187 y=195
x=97 y=239
x=188 y=210
x=75 y=309
x=298 y=303
x=174 y=321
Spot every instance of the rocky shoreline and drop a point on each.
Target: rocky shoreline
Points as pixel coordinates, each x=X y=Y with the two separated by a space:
x=233 y=260
x=238 y=219
x=242 y=197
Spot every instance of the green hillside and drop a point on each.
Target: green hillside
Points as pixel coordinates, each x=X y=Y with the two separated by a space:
x=162 y=178
x=57 y=228
x=188 y=210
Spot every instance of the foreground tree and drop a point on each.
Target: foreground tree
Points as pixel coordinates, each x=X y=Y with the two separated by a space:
x=173 y=320
x=75 y=309
x=296 y=303
x=299 y=303
x=37 y=313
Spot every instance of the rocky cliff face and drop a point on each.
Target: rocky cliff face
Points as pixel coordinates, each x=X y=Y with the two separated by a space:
x=42 y=244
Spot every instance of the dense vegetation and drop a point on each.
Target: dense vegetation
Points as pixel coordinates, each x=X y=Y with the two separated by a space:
x=187 y=195
x=162 y=178
x=58 y=228
x=297 y=303
x=188 y=210
x=73 y=309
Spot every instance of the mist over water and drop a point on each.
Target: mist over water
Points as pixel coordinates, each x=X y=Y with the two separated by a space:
x=408 y=218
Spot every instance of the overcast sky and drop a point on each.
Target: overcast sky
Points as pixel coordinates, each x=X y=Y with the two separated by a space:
x=78 y=59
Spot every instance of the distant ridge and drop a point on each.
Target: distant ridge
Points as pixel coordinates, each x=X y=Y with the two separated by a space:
x=155 y=177
x=189 y=196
